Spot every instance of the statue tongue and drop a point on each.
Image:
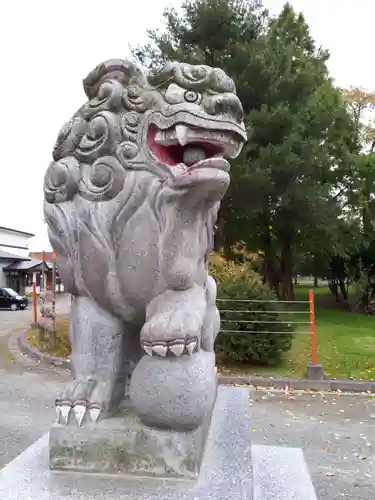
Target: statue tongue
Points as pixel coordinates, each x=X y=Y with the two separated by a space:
x=193 y=155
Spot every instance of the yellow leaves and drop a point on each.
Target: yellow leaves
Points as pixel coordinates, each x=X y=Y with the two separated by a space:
x=226 y=270
x=361 y=103
x=359 y=97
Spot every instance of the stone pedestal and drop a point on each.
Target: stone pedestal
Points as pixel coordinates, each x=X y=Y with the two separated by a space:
x=227 y=471
x=123 y=445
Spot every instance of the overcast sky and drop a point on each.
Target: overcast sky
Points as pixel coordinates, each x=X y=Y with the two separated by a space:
x=47 y=47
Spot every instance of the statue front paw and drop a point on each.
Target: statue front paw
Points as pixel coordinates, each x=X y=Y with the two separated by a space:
x=84 y=400
x=174 y=324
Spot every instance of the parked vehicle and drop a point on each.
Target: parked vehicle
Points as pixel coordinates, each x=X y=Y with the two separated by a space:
x=10 y=299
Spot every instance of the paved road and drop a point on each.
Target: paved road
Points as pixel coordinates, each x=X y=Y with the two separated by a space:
x=27 y=390
x=336 y=432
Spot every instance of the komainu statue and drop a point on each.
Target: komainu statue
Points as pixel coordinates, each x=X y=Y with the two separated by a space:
x=131 y=199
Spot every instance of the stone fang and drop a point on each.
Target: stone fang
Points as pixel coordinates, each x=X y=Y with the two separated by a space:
x=161 y=350
x=177 y=349
x=182 y=133
x=79 y=411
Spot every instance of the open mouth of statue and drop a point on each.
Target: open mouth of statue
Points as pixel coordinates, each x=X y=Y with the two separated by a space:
x=183 y=148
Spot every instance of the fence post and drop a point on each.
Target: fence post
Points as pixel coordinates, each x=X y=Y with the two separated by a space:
x=314 y=359
x=35 y=304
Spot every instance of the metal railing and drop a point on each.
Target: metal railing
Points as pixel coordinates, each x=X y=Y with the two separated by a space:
x=234 y=311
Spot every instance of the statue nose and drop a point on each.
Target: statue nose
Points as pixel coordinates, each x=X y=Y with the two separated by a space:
x=225 y=104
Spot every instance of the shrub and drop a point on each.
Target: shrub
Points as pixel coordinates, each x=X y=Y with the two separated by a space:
x=248 y=319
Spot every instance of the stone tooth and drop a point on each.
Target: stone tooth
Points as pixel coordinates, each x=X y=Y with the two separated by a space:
x=79 y=411
x=177 y=349
x=147 y=349
x=161 y=350
x=191 y=346
x=160 y=135
x=182 y=133
x=94 y=414
x=65 y=410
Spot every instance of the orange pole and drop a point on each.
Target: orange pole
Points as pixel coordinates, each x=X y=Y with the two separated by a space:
x=312 y=326
x=34 y=304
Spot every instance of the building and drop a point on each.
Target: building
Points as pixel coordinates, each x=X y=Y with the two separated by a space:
x=18 y=267
x=14 y=248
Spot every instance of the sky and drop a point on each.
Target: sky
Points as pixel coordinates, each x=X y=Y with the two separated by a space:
x=48 y=47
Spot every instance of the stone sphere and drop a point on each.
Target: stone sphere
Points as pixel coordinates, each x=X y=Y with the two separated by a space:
x=174 y=393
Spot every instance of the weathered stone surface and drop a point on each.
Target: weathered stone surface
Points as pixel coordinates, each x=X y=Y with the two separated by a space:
x=130 y=203
x=123 y=445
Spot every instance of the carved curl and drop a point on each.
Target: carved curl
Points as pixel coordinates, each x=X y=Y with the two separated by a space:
x=61 y=180
x=108 y=98
x=125 y=72
x=101 y=137
x=192 y=77
x=69 y=137
x=103 y=180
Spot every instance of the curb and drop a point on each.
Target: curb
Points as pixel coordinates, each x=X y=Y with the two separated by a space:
x=45 y=359
x=355 y=386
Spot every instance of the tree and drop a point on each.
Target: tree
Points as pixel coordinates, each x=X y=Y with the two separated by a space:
x=282 y=197
x=221 y=33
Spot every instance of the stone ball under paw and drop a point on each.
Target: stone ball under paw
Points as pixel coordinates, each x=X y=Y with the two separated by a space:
x=174 y=393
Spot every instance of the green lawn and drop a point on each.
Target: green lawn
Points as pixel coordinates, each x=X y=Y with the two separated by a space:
x=345 y=340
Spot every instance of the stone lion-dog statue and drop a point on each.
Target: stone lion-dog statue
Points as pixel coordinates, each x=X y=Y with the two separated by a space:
x=131 y=200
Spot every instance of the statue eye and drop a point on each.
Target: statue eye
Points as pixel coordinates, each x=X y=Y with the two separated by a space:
x=191 y=96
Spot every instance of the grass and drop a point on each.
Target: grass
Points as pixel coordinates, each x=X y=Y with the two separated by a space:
x=62 y=349
x=345 y=342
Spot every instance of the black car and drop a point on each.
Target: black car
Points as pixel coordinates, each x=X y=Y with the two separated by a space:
x=9 y=299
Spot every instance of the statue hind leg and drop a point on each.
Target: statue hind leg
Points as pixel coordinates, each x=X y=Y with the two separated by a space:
x=96 y=338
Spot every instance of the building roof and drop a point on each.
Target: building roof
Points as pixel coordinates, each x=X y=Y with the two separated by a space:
x=10 y=256
x=16 y=231
x=23 y=265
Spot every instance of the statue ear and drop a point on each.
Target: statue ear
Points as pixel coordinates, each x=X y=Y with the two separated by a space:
x=125 y=72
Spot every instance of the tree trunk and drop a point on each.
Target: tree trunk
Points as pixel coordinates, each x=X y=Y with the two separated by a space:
x=316 y=281
x=343 y=289
x=269 y=268
x=287 y=289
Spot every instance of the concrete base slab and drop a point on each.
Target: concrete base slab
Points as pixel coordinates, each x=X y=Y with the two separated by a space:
x=123 y=445
x=281 y=473
x=225 y=474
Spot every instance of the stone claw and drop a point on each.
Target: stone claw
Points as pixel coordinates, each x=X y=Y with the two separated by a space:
x=63 y=411
x=94 y=413
x=176 y=347
x=87 y=397
x=81 y=410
